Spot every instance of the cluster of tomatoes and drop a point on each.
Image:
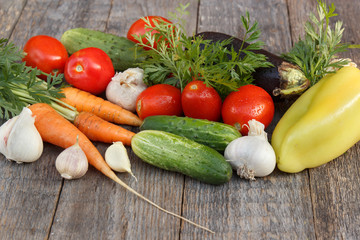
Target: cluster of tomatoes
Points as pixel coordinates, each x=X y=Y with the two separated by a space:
x=203 y=102
x=91 y=70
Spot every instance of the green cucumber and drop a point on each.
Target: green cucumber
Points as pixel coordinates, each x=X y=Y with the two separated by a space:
x=180 y=154
x=123 y=53
x=213 y=134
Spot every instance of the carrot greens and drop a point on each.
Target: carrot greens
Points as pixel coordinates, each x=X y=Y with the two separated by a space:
x=176 y=58
x=19 y=84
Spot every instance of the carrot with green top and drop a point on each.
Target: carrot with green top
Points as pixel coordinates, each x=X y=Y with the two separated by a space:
x=87 y=102
x=55 y=129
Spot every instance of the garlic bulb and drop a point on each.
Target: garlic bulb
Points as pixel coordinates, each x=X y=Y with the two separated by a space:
x=72 y=162
x=125 y=87
x=20 y=141
x=252 y=156
x=117 y=158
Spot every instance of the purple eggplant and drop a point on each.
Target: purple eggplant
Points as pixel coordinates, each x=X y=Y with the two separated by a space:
x=283 y=80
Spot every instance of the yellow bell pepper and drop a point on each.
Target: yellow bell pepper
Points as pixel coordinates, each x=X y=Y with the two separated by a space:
x=321 y=125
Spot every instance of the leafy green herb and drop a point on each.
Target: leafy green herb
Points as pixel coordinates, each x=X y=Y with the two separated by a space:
x=177 y=58
x=316 y=54
x=19 y=84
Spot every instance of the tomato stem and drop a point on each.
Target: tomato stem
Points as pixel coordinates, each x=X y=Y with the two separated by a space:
x=79 y=68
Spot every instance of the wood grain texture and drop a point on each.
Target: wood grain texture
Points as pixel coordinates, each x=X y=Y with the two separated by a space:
x=28 y=196
x=9 y=15
x=225 y=16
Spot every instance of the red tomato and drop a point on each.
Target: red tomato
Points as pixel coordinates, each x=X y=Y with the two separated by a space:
x=138 y=28
x=200 y=101
x=249 y=102
x=45 y=53
x=160 y=99
x=89 y=69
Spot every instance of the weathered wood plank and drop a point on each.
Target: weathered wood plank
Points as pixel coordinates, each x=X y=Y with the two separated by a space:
x=28 y=196
x=334 y=188
x=275 y=207
x=224 y=16
x=9 y=14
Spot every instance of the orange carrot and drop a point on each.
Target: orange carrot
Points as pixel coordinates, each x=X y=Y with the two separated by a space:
x=86 y=102
x=97 y=129
x=55 y=129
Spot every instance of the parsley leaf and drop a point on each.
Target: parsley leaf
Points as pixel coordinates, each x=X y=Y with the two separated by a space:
x=19 y=84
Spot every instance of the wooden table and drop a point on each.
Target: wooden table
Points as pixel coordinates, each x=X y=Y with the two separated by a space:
x=36 y=203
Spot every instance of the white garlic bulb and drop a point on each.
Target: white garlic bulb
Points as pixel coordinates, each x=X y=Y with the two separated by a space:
x=125 y=87
x=72 y=162
x=252 y=156
x=20 y=141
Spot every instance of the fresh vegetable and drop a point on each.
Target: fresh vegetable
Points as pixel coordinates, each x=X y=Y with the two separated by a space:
x=89 y=69
x=249 y=102
x=252 y=156
x=45 y=53
x=72 y=162
x=123 y=53
x=20 y=85
x=201 y=101
x=56 y=130
x=19 y=139
x=281 y=80
x=186 y=57
x=125 y=87
x=316 y=54
x=117 y=158
x=160 y=99
x=213 y=134
x=97 y=129
x=86 y=102
x=321 y=125
x=139 y=28
x=176 y=153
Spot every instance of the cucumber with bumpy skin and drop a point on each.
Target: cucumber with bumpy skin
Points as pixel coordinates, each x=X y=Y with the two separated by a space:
x=213 y=134
x=123 y=53
x=179 y=154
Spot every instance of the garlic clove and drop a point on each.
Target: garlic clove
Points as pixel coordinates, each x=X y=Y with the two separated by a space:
x=72 y=162
x=117 y=158
x=23 y=142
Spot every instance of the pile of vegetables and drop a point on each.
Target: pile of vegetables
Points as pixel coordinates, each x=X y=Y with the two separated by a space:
x=202 y=103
